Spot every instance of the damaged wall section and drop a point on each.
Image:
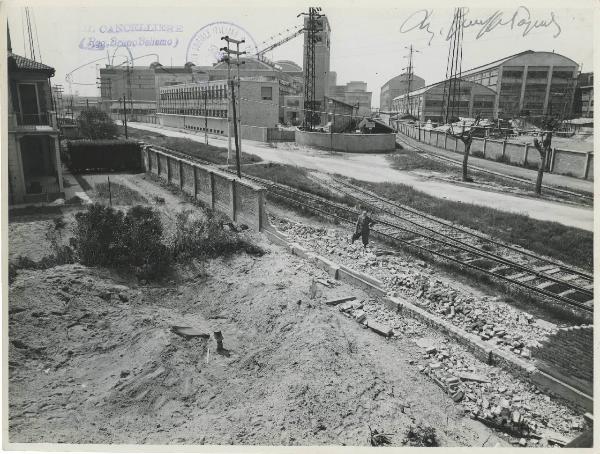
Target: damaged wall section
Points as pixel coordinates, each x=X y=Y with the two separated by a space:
x=569 y=355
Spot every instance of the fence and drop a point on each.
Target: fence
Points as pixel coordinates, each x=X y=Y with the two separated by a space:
x=241 y=200
x=579 y=164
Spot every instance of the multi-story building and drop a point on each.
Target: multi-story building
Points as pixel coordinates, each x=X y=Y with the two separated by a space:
x=34 y=166
x=397 y=86
x=203 y=106
x=530 y=83
x=141 y=84
x=354 y=93
x=584 y=96
x=428 y=103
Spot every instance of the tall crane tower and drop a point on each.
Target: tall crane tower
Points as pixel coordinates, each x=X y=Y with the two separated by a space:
x=311 y=29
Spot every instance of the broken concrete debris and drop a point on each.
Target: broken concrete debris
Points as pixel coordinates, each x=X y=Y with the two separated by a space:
x=336 y=301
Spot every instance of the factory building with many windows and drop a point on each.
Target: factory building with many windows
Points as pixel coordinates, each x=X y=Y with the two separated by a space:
x=428 y=103
x=525 y=84
x=202 y=106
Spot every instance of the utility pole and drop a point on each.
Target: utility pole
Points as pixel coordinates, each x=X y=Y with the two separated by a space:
x=205 y=92
x=239 y=87
x=410 y=77
x=125 y=114
x=237 y=147
x=229 y=52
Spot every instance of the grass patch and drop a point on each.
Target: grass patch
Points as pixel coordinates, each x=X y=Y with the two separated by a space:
x=119 y=194
x=411 y=160
x=210 y=153
x=569 y=244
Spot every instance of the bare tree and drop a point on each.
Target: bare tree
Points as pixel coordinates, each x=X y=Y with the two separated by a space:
x=543 y=146
x=467 y=139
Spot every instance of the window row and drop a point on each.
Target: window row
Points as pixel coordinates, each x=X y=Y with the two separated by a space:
x=215 y=92
x=217 y=113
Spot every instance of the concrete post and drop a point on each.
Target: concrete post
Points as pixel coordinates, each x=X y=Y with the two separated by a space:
x=503 y=148
x=552 y=156
x=588 y=160
x=484 y=145
x=445 y=139
x=260 y=197
x=455 y=145
x=195 y=169
x=526 y=154
x=157 y=164
x=212 y=191
x=181 y=175
x=168 y=169
x=232 y=197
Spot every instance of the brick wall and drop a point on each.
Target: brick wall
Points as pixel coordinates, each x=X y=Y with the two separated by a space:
x=568 y=355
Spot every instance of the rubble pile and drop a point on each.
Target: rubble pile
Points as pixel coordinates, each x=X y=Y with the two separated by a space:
x=488 y=317
x=485 y=393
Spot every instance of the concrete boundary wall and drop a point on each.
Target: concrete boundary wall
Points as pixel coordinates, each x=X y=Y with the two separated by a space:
x=481 y=349
x=574 y=163
x=241 y=200
x=350 y=143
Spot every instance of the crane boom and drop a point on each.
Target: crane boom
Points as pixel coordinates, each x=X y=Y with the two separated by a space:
x=260 y=53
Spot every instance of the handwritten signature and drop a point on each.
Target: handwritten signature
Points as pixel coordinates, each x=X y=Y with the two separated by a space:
x=520 y=19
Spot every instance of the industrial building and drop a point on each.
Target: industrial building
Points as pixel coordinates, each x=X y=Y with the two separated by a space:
x=584 y=96
x=428 y=103
x=528 y=83
x=354 y=93
x=397 y=86
x=202 y=106
x=141 y=85
x=34 y=165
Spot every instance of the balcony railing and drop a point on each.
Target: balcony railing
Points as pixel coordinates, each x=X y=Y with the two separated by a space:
x=43 y=118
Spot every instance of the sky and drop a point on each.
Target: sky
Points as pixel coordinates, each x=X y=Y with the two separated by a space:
x=369 y=41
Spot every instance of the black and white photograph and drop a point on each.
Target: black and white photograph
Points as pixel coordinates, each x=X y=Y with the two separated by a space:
x=298 y=226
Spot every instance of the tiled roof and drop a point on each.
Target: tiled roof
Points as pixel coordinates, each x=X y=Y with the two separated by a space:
x=26 y=64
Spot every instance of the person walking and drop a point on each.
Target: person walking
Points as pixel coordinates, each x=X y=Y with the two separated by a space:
x=363 y=228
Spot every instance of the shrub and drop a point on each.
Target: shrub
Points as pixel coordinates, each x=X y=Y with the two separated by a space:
x=106 y=237
x=142 y=242
x=98 y=236
x=206 y=238
x=95 y=124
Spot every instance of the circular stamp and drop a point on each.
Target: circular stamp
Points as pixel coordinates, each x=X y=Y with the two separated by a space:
x=204 y=47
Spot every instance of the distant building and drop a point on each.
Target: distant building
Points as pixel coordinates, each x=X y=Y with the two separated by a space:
x=584 y=96
x=34 y=166
x=427 y=103
x=395 y=87
x=339 y=114
x=202 y=106
x=354 y=93
x=533 y=83
x=525 y=84
x=142 y=84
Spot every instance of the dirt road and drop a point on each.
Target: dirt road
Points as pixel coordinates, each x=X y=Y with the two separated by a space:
x=375 y=168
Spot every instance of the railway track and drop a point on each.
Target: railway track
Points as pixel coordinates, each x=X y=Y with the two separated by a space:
x=510 y=263
x=400 y=138
x=418 y=231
